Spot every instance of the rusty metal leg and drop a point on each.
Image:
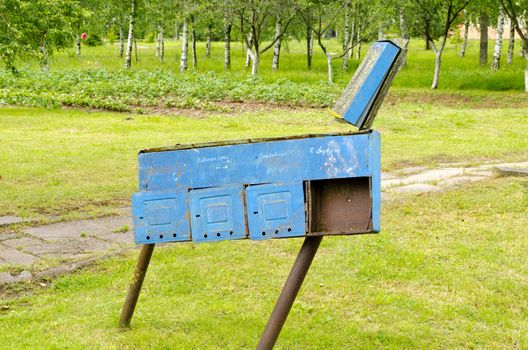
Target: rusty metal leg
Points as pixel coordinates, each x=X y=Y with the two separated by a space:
x=289 y=292
x=135 y=287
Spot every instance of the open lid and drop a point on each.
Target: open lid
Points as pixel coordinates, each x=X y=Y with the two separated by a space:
x=364 y=93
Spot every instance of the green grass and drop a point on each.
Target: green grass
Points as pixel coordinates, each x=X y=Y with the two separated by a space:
x=97 y=79
x=447 y=271
x=69 y=163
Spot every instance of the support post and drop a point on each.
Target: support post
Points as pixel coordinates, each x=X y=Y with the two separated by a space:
x=289 y=292
x=135 y=287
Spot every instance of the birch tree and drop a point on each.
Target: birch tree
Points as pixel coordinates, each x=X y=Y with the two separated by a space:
x=511 y=44
x=325 y=14
x=255 y=17
x=442 y=15
x=130 y=42
x=517 y=11
x=495 y=64
x=466 y=34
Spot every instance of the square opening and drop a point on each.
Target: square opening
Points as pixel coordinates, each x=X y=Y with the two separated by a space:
x=340 y=206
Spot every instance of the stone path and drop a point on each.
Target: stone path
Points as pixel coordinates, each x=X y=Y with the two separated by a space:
x=82 y=240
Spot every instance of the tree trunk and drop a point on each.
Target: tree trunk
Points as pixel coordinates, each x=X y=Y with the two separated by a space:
x=277 y=47
x=495 y=64
x=177 y=31
x=466 y=33
x=255 y=61
x=405 y=36
x=121 y=41
x=523 y=49
x=44 y=61
x=248 y=49
x=438 y=62
x=309 y=46
x=330 y=70
x=511 y=45
x=208 y=43
x=185 y=46
x=483 y=21
x=526 y=74
x=193 y=44
x=160 y=49
x=227 y=45
x=358 y=50
x=346 y=35
x=128 y=57
x=78 y=44
x=135 y=50
x=351 y=41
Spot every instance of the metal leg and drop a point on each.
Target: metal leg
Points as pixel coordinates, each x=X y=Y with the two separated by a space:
x=135 y=287
x=289 y=292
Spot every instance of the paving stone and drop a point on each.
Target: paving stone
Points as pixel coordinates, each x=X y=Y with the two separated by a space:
x=24 y=276
x=101 y=228
x=415 y=188
x=10 y=220
x=68 y=248
x=21 y=242
x=14 y=257
x=457 y=180
x=7 y=235
x=5 y=277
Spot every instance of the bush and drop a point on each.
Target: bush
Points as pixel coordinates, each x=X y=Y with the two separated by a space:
x=150 y=37
x=111 y=37
x=93 y=40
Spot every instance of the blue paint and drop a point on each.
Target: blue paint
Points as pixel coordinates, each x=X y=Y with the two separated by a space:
x=217 y=213
x=276 y=210
x=315 y=158
x=370 y=76
x=218 y=183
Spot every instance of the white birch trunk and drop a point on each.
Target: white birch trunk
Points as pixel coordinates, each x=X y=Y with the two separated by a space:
x=526 y=74
x=358 y=50
x=78 y=44
x=255 y=61
x=248 y=49
x=185 y=47
x=160 y=48
x=208 y=43
x=381 y=33
x=227 y=45
x=128 y=56
x=277 y=46
x=351 y=38
x=405 y=36
x=495 y=63
x=330 y=69
x=346 y=34
x=438 y=62
x=121 y=41
x=44 y=61
x=466 y=34
x=193 y=44
x=309 y=47
x=511 y=45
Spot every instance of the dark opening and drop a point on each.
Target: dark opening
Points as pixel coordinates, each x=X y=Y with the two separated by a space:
x=340 y=205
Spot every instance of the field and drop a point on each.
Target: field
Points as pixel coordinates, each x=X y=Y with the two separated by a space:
x=448 y=269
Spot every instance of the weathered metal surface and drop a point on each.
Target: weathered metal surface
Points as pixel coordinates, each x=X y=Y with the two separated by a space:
x=309 y=158
x=183 y=191
x=276 y=210
x=289 y=292
x=217 y=213
x=135 y=286
x=340 y=206
x=363 y=92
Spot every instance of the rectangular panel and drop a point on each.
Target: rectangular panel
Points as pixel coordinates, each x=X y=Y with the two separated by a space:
x=276 y=210
x=356 y=102
x=217 y=213
x=160 y=217
x=289 y=160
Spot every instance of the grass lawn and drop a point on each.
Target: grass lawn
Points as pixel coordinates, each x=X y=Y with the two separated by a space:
x=71 y=163
x=447 y=271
